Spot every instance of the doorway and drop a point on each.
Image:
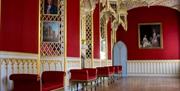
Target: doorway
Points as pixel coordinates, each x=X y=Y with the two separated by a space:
x=120 y=56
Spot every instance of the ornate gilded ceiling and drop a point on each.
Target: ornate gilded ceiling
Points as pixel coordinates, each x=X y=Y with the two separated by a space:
x=175 y=4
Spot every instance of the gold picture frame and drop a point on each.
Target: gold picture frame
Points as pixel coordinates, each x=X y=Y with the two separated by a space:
x=150 y=36
x=50 y=7
x=51 y=31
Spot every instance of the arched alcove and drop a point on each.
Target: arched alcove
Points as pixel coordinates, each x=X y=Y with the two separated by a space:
x=120 y=56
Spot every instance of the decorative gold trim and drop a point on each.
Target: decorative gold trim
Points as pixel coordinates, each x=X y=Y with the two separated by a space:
x=39 y=40
x=65 y=39
x=81 y=19
x=161 y=35
x=92 y=49
x=65 y=34
x=106 y=34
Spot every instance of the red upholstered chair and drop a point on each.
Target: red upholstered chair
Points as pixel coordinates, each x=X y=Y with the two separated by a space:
x=106 y=72
x=118 y=70
x=52 y=80
x=92 y=73
x=111 y=69
x=85 y=75
x=25 y=82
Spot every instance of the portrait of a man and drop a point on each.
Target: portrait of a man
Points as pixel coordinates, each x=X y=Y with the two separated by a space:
x=51 y=7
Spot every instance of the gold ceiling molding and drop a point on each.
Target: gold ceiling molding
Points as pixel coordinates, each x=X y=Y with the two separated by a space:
x=118 y=8
x=117 y=11
x=87 y=6
x=175 y=4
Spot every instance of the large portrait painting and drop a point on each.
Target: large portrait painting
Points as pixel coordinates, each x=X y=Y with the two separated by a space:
x=51 y=31
x=150 y=35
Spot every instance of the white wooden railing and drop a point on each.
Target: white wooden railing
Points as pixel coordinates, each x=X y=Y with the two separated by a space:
x=13 y=62
x=153 y=67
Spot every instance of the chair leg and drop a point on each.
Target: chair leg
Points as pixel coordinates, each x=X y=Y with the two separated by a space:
x=77 y=86
x=86 y=86
x=83 y=86
x=72 y=86
x=95 y=86
x=91 y=85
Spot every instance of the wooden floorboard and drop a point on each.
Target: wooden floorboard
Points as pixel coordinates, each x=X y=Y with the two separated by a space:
x=141 y=84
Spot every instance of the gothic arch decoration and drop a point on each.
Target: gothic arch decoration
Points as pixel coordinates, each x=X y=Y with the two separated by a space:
x=103 y=39
x=86 y=16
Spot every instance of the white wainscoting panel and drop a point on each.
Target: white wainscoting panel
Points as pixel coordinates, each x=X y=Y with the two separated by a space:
x=97 y=63
x=72 y=63
x=153 y=67
x=109 y=62
x=52 y=64
x=103 y=63
x=12 y=62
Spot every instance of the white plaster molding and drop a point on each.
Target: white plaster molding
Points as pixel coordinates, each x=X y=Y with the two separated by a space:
x=18 y=55
x=52 y=58
x=73 y=58
x=97 y=60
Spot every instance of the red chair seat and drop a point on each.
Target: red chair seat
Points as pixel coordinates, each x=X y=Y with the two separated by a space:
x=52 y=80
x=104 y=71
x=50 y=86
x=118 y=69
x=83 y=75
x=111 y=69
x=25 y=82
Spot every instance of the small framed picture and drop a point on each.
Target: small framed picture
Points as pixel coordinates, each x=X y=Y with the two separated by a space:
x=51 y=31
x=150 y=35
x=50 y=7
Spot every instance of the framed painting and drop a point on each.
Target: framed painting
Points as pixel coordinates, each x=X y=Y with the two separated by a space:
x=51 y=31
x=50 y=7
x=150 y=35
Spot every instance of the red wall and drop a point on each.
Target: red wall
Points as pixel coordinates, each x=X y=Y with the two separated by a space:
x=96 y=32
x=73 y=28
x=20 y=25
x=170 y=28
x=109 y=39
